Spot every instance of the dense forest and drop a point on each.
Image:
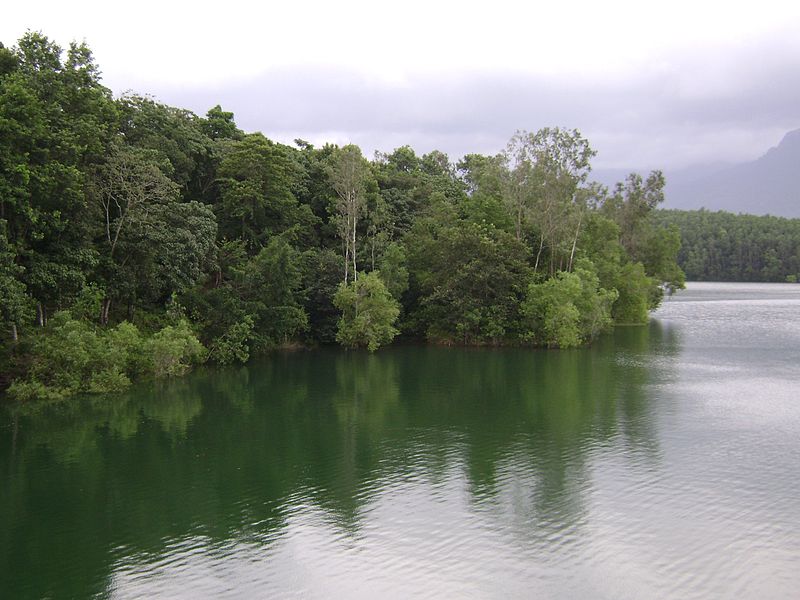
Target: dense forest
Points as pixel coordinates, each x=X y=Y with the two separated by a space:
x=137 y=238
x=722 y=246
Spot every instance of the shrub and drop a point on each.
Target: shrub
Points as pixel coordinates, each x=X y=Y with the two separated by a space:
x=173 y=350
x=232 y=346
x=72 y=356
x=368 y=313
x=568 y=309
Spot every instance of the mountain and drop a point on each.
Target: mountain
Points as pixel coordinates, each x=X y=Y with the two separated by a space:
x=767 y=185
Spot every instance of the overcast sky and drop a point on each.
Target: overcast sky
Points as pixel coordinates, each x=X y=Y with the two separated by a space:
x=651 y=85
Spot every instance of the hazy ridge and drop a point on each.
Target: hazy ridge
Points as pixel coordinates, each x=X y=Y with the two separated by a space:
x=768 y=185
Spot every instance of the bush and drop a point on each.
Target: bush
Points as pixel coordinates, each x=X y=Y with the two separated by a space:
x=368 y=313
x=636 y=291
x=106 y=381
x=72 y=356
x=232 y=345
x=173 y=350
x=569 y=309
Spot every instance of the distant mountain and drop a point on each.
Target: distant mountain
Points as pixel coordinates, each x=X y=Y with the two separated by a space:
x=767 y=185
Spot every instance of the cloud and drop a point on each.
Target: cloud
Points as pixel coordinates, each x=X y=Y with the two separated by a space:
x=674 y=113
x=650 y=84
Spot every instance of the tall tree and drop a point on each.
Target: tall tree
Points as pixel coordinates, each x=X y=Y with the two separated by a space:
x=257 y=178
x=348 y=174
x=56 y=120
x=152 y=244
x=561 y=165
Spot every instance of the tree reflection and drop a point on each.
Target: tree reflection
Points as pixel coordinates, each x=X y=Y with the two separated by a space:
x=231 y=453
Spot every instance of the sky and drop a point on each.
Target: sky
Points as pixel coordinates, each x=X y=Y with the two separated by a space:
x=650 y=85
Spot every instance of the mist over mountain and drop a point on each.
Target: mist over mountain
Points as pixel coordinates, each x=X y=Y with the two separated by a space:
x=767 y=185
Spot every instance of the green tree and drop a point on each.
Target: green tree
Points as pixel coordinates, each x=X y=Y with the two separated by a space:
x=569 y=309
x=257 y=178
x=468 y=280
x=368 y=313
x=393 y=271
x=14 y=301
x=152 y=244
x=56 y=120
x=219 y=124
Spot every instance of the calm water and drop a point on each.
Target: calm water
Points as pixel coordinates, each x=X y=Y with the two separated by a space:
x=664 y=462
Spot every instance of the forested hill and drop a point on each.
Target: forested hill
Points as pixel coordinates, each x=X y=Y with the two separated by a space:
x=722 y=246
x=138 y=238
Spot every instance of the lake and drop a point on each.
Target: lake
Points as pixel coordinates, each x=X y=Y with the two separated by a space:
x=662 y=462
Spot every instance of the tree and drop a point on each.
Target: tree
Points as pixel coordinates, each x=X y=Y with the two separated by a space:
x=219 y=124
x=632 y=207
x=469 y=280
x=153 y=245
x=271 y=283
x=257 y=178
x=348 y=175
x=368 y=313
x=393 y=271
x=14 y=302
x=562 y=164
x=175 y=135
x=569 y=309
x=56 y=121
x=518 y=177
x=322 y=274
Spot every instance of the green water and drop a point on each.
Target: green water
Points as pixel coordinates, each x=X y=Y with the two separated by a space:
x=663 y=462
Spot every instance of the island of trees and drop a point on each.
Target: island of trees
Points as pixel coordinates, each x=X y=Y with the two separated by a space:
x=137 y=238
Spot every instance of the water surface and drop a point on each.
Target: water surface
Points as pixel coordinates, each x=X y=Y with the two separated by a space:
x=663 y=462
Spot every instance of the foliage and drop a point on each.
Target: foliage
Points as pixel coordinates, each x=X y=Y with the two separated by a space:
x=636 y=295
x=257 y=179
x=393 y=270
x=632 y=206
x=348 y=176
x=470 y=279
x=722 y=246
x=72 y=356
x=173 y=350
x=322 y=274
x=232 y=346
x=568 y=309
x=368 y=313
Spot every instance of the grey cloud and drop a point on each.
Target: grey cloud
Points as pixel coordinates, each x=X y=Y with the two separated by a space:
x=643 y=122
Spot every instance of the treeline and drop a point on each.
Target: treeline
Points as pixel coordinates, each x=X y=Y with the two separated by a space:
x=722 y=246
x=138 y=238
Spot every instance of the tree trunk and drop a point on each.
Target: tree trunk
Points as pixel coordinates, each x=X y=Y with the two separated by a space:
x=105 y=306
x=346 y=256
x=14 y=334
x=39 y=314
x=575 y=242
x=355 y=271
x=539 y=253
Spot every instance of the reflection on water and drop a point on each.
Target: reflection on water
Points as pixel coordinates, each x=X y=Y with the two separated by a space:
x=414 y=472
